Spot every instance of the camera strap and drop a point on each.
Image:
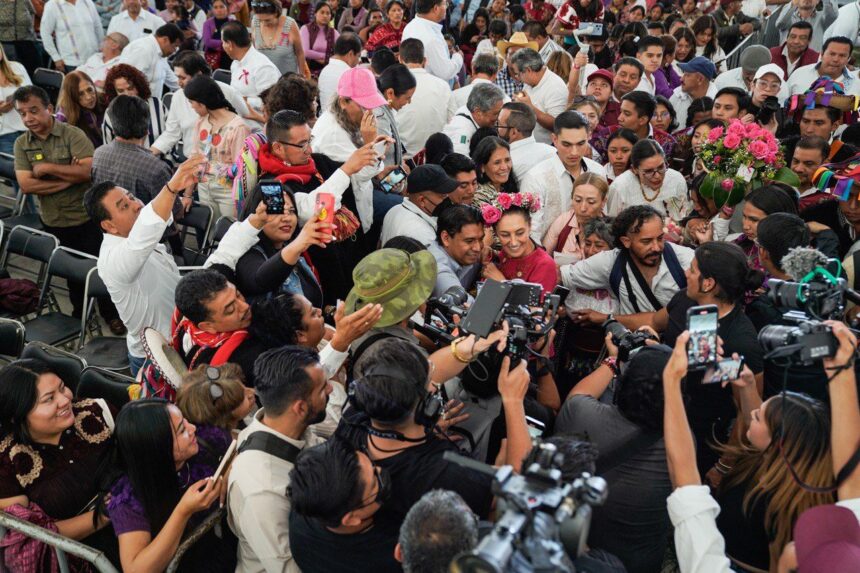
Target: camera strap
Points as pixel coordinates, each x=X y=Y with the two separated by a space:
x=643 y=284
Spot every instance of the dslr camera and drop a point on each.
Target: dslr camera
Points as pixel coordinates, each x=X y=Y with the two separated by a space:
x=769 y=107
x=627 y=341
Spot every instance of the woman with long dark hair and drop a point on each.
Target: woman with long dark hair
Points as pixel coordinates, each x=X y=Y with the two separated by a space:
x=221 y=133
x=705 y=29
x=758 y=205
x=685 y=48
x=397 y=85
x=389 y=34
x=160 y=489
x=123 y=79
x=318 y=38
x=492 y=158
x=80 y=105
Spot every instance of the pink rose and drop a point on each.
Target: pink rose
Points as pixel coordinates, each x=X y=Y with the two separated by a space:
x=535 y=205
x=752 y=130
x=758 y=149
x=770 y=158
x=717 y=159
x=727 y=184
x=736 y=128
x=518 y=199
x=505 y=200
x=732 y=141
x=491 y=214
x=715 y=134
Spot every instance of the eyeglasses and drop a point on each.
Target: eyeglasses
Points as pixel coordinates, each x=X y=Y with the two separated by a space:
x=500 y=126
x=663 y=115
x=651 y=173
x=383 y=488
x=306 y=146
x=583 y=99
x=764 y=84
x=213 y=374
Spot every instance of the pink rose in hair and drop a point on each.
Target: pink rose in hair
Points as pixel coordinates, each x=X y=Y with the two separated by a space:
x=732 y=141
x=505 y=201
x=758 y=149
x=491 y=214
x=518 y=199
x=535 y=204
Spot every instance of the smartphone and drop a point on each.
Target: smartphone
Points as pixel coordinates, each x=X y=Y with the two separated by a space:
x=226 y=460
x=273 y=197
x=205 y=149
x=324 y=207
x=725 y=370
x=561 y=291
x=393 y=179
x=702 y=322
x=379 y=148
x=596 y=28
x=487 y=308
x=536 y=427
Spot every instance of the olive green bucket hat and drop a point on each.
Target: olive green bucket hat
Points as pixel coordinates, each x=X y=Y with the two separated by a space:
x=400 y=282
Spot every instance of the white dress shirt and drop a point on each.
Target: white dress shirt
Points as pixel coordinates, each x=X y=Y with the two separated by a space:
x=409 y=220
x=803 y=78
x=527 y=154
x=460 y=96
x=97 y=68
x=671 y=202
x=460 y=130
x=181 y=123
x=141 y=276
x=554 y=185
x=440 y=62
x=681 y=101
x=699 y=545
x=145 y=24
x=593 y=273
x=426 y=114
x=647 y=86
x=330 y=139
x=253 y=74
x=327 y=83
x=10 y=121
x=550 y=97
x=145 y=55
x=71 y=32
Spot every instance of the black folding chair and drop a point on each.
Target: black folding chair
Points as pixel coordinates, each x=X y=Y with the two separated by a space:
x=108 y=352
x=100 y=383
x=11 y=339
x=167 y=99
x=49 y=80
x=222 y=225
x=64 y=364
x=222 y=76
x=33 y=244
x=198 y=218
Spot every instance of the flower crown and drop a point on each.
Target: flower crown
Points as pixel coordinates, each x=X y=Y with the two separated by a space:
x=503 y=202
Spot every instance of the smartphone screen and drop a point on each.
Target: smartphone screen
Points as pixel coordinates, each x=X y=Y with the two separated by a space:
x=273 y=196
x=393 y=180
x=725 y=370
x=702 y=347
x=486 y=309
x=536 y=427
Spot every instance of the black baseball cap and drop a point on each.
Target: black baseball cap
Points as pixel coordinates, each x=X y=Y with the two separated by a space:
x=430 y=177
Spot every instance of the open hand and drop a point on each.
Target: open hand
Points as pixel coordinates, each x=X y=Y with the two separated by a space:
x=350 y=328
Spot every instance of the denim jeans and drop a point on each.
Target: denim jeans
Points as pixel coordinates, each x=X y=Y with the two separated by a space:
x=7 y=145
x=134 y=364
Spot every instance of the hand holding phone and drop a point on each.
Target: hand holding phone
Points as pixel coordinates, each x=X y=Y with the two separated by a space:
x=324 y=208
x=725 y=370
x=273 y=196
x=229 y=455
x=702 y=323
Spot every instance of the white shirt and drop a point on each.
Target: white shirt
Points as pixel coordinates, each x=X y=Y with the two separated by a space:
x=847 y=23
x=146 y=23
x=460 y=130
x=719 y=57
x=258 y=504
x=550 y=97
x=671 y=202
x=681 y=101
x=593 y=273
x=647 y=86
x=181 y=123
x=426 y=114
x=528 y=153
x=409 y=220
x=554 y=185
x=460 y=96
x=439 y=62
x=731 y=79
x=97 y=68
x=71 y=32
x=327 y=83
x=803 y=78
x=141 y=276
x=145 y=55
x=253 y=74
x=10 y=121
x=330 y=139
x=699 y=544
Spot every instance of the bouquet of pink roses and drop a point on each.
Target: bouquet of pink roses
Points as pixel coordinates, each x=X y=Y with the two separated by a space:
x=741 y=158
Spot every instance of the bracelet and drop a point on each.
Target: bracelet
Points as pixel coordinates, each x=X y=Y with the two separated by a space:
x=456 y=353
x=721 y=467
x=167 y=186
x=611 y=362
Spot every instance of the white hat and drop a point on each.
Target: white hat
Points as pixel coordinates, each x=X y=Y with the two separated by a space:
x=770 y=69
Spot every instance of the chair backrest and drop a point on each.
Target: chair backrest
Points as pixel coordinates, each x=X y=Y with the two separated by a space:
x=219 y=229
x=68 y=264
x=222 y=76
x=100 y=383
x=30 y=243
x=65 y=364
x=199 y=218
x=50 y=80
x=11 y=338
x=167 y=99
x=7 y=168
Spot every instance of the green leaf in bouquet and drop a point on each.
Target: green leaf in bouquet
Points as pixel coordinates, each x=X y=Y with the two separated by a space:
x=787 y=176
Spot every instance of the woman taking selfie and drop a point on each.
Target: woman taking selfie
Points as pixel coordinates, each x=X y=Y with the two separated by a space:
x=276 y=36
x=80 y=105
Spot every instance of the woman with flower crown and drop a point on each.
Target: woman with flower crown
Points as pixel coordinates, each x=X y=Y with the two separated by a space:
x=520 y=257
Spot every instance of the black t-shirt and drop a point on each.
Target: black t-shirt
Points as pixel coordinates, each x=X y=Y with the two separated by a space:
x=318 y=550
x=419 y=469
x=710 y=403
x=743 y=528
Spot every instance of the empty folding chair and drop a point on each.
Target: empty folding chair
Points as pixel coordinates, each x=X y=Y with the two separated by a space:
x=108 y=352
x=198 y=218
x=11 y=339
x=49 y=80
x=33 y=244
x=100 y=383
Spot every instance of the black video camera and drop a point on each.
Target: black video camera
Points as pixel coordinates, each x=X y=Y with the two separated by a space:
x=439 y=324
x=627 y=341
x=545 y=524
x=805 y=343
x=769 y=107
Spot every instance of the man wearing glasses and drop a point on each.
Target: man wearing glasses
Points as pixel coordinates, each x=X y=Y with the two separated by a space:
x=98 y=64
x=481 y=110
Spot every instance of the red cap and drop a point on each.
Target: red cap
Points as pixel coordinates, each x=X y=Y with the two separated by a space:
x=603 y=74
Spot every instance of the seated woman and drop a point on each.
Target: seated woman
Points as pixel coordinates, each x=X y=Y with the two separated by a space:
x=79 y=105
x=520 y=257
x=619 y=147
x=278 y=263
x=160 y=489
x=389 y=34
x=587 y=202
x=52 y=449
x=123 y=79
x=318 y=38
x=216 y=400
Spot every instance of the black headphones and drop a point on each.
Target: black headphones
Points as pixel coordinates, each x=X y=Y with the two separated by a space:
x=427 y=413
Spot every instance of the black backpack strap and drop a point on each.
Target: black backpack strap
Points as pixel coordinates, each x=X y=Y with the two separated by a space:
x=646 y=288
x=674 y=266
x=354 y=355
x=272 y=445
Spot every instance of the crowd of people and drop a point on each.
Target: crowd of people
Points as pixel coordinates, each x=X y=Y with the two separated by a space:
x=419 y=150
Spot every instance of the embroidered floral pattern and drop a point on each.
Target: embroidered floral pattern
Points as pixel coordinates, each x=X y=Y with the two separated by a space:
x=36 y=464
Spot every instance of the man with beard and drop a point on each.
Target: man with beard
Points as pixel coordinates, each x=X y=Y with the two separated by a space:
x=294 y=390
x=643 y=273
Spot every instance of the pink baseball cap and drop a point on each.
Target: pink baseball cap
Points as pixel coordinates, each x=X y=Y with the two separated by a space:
x=358 y=84
x=827 y=540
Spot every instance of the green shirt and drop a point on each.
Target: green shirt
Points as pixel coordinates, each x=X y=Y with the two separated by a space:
x=64 y=208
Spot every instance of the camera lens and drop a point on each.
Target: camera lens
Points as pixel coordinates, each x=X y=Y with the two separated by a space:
x=615 y=328
x=773 y=336
x=786 y=294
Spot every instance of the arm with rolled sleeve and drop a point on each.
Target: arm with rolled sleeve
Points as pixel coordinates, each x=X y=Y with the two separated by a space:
x=171 y=133
x=239 y=239
x=699 y=544
x=591 y=273
x=336 y=185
